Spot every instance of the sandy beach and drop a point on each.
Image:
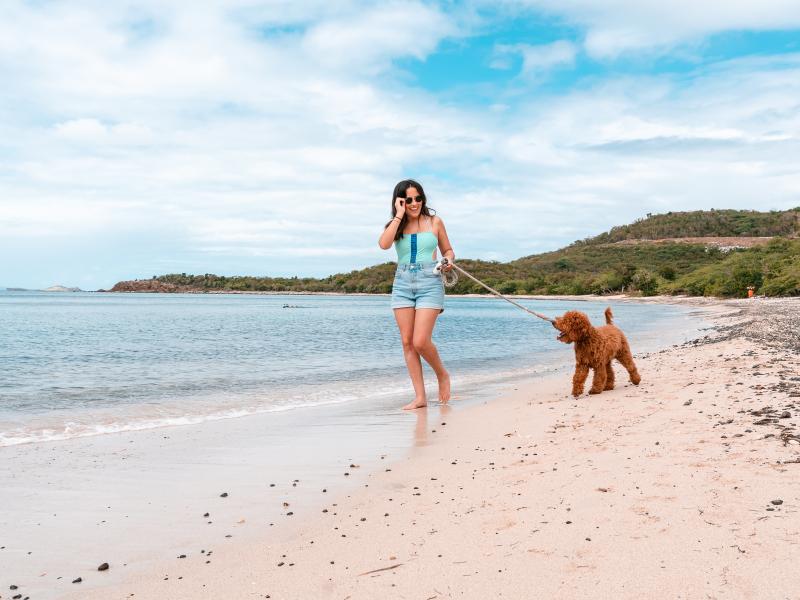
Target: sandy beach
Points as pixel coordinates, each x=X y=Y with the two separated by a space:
x=686 y=486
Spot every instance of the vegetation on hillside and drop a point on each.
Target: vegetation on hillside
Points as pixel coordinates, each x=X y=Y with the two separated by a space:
x=701 y=223
x=598 y=265
x=773 y=270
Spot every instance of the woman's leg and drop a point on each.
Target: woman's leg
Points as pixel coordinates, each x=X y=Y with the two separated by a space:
x=423 y=329
x=405 y=322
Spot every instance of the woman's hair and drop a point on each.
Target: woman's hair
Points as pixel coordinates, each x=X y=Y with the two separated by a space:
x=400 y=192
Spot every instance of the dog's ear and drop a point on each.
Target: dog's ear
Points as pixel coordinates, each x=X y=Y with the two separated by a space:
x=578 y=325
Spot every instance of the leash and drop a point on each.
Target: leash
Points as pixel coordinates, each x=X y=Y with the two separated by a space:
x=451 y=281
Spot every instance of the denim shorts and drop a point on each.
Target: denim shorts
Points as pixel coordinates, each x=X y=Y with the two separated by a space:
x=417 y=286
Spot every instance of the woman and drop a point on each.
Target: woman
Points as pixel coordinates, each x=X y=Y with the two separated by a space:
x=418 y=291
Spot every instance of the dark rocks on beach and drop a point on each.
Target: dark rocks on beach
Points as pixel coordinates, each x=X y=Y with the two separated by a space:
x=223 y=495
x=786 y=415
x=12 y=587
x=103 y=567
x=206 y=515
x=777 y=502
x=77 y=580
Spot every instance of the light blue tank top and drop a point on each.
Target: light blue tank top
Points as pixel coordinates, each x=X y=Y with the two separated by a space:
x=416 y=247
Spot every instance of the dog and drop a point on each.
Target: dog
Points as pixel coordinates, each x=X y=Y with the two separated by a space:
x=595 y=348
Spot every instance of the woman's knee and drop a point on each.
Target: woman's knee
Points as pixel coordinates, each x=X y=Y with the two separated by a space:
x=408 y=344
x=422 y=344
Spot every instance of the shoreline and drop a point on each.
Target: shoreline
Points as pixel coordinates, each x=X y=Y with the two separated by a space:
x=657 y=299
x=249 y=521
x=618 y=494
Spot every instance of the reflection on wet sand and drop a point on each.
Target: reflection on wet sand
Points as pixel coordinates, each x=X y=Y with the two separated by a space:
x=421 y=428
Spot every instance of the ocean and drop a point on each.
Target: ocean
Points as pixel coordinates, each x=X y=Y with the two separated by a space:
x=82 y=364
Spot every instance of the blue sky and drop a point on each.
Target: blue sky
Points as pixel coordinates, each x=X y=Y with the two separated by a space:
x=264 y=138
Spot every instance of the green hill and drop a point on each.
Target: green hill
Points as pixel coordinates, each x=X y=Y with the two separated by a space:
x=724 y=262
x=701 y=223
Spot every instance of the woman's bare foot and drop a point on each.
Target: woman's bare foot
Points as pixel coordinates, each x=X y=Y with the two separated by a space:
x=417 y=403
x=444 y=387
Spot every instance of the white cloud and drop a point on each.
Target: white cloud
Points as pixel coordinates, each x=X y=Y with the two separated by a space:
x=617 y=26
x=536 y=58
x=372 y=38
x=94 y=131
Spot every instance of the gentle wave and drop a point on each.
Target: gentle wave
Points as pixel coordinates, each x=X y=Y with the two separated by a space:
x=97 y=425
x=76 y=430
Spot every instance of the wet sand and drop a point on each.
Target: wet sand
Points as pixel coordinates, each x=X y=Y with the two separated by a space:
x=685 y=486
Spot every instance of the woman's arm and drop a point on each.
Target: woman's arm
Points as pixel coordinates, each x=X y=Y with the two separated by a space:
x=387 y=237
x=444 y=241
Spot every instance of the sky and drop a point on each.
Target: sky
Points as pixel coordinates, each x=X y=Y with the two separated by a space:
x=265 y=137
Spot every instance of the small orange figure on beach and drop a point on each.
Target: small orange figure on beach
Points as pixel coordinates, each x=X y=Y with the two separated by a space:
x=750 y=291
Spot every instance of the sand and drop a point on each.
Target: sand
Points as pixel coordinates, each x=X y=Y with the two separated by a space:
x=687 y=486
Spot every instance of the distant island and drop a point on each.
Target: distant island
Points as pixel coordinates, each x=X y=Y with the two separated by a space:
x=52 y=288
x=61 y=288
x=699 y=253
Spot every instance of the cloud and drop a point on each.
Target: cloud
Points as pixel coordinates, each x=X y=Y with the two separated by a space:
x=373 y=38
x=94 y=131
x=536 y=59
x=614 y=27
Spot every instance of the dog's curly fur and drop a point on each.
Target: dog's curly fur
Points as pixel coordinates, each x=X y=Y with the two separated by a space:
x=595 y=348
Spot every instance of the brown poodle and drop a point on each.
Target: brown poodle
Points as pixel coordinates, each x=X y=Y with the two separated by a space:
x=595 y=348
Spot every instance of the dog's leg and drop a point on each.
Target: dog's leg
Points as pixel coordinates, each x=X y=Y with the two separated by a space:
x=609 y=377
x=626 y=358
x=599 y=380
x=581 y=373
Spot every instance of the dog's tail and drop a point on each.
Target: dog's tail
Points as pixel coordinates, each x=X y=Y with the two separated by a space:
x=609 y=316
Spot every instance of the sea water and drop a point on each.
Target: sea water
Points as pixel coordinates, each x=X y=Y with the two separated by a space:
x=80 y=364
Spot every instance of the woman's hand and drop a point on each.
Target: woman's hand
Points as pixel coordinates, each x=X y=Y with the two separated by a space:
x=400 y=206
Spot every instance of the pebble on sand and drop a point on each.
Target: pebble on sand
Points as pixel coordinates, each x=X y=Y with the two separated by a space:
x=777 y=502
x=103 y=567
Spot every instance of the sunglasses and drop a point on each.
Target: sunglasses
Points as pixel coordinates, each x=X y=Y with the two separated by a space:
x=419 y=199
